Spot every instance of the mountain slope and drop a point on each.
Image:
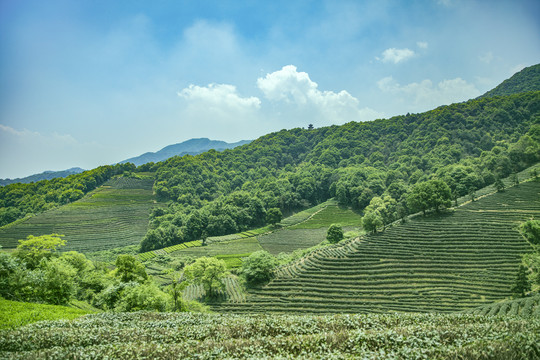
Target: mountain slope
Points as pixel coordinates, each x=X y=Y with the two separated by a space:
x=191 y=147
x=525 y=80
x=113 y=215
x=444 y=263
x=46 y=175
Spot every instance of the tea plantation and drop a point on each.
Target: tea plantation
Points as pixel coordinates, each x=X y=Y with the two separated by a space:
x=145 y=335
x=114 y=215
x=444 y=263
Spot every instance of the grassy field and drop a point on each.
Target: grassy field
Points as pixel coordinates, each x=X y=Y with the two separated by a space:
x=114 y=215
x=332 y=214
x=450 y=262
x=145 y=335
x=14 y=314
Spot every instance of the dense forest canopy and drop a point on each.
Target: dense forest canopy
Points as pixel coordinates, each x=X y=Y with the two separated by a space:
x=467 y=145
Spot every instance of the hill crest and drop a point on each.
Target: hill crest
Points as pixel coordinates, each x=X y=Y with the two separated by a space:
x=528 y=79
x=188 y=147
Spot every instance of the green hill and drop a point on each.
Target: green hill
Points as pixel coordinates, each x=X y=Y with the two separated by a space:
x=114 y=215
x=444 y=263
x=525 y=80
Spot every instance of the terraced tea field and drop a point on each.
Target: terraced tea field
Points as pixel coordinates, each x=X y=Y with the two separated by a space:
x=114 y=215
x=525 y=307
x=444 y=263
x=146 y=335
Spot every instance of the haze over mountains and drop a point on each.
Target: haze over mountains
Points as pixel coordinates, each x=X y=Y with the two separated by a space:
x=46 y=175
x=191 y=147
x=188 y=147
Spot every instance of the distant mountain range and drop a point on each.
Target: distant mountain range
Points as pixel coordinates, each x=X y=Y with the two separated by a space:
x=189 y=147
x=46 y=175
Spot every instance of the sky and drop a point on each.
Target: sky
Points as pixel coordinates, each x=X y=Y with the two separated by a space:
x=92 y=82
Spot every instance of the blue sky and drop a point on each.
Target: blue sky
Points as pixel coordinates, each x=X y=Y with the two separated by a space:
x=87 y=83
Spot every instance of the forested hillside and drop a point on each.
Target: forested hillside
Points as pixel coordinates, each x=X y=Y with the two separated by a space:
x=18 y=200
x=525 y=80
x=467 y=145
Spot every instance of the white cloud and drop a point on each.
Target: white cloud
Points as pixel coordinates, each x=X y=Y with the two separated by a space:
x=486 y=58
x=396 y=55
x=297 y=89
x=425 y=95
x=422 y=44
x=219 y=95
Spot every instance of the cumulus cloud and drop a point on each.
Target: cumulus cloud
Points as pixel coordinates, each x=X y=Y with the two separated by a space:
x=422 y=44
x=220 y=95
x=425 y=95
x=218 y=109
x=296 y=88
x=395 y=56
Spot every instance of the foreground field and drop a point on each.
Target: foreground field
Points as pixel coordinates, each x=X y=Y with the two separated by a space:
x=449 y=262
x=146 y=335
x=114 y=215
x=14 y=314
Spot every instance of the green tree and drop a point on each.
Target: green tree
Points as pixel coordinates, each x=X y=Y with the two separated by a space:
x=145 y=296
x=433 y=194
x=259 y=267
x=59 y=281
x=209 y=272
x=531 y=231
x=522 y=285
x=499 y=185
x=372 y=220
x=273 y=216
x=128 y=268
x=35 y=248
x=334 y=233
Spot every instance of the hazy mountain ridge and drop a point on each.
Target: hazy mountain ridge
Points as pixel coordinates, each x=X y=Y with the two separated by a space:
x=189 y=147
x=46 y=175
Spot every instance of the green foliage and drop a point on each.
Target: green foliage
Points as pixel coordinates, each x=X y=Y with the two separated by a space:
x=499 y=185
x=145 y=296
x=259 y=267
x=531 y=231
x=14 y=314
x=266 y=336
x=209 y=272
x=433 y=194
x=128 y=268
x=334 y=233
x=372 y=220
x=35 y=248
x=522 y=285
x=273 y=216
